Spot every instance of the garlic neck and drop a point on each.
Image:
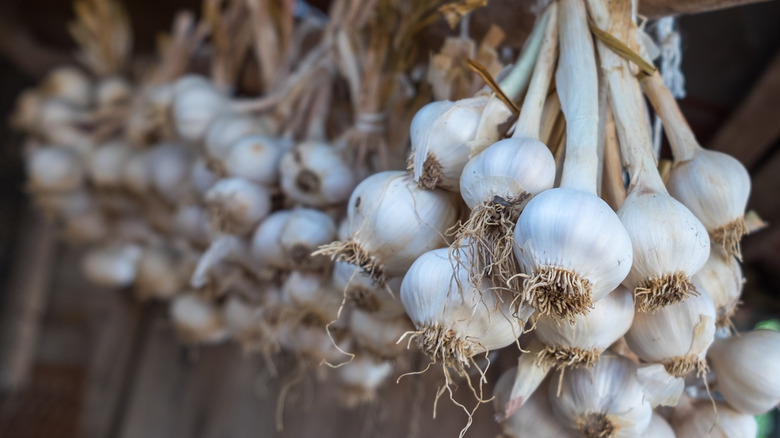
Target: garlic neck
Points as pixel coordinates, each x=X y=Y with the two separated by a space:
x=577 y=84
x=517 y=79
x=681 y=138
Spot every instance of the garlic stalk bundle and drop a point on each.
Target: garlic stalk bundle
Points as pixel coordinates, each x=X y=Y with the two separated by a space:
x=107 y=162
x=311 y=292
x=379 y=336
x=605 y=401
x=713 y=185
x=534 y=418
x=303 y=232
x=171 y=164
x=364 y=294
x=236 y=205
x=582 y=342
x=498 y=182
x=659 y=428
x=113 y=266
x=197 y=320
x=745 y=367
x=568 y=240
x=674 y=340
x=392 y=222
x=255 y=158
x=159 y=274
x=196 y=102
x=266 y=249
x=669 y=243
x=54 y=169
x=719 y=422
x=315 y=174
x=361 y=378
x=721 y=278
x=455 y=320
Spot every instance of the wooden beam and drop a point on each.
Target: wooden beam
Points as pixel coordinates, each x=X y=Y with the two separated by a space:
x=662 y=8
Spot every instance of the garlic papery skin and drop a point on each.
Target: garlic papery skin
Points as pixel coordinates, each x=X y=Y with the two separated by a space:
x=440 y=132
x=379 y=336
x=361 y=378
x=721 y=278
x=159 y=274
x=659 y=428
x=581 y=342
x=223 y=132
x=713 y=185
x=303 y=232
x=676 y=336
x=107 y=162
x=670 y=244
x=255 y=158
x=197 y=320
x=196 y=102
x=112 y=266
x=171 y=164
x=455 y=320
x=311 y=292
x=266 y=249
x=392 y=222
x=568 y=241
x=534 y=418
x=315 y=174
x=605 y=400
x=704 y=421
x=361 y=291
x=236 y=205
x=530 y=373
x=54 y=169
x=745 y=367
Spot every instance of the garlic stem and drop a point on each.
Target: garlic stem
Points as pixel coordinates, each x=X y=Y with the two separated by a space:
x=681 y=138
x=626 y=97
x=577 y=84
x=517 y=79
x=529 y=123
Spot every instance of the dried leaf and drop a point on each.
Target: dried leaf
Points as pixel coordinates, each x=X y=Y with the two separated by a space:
x=455 y=11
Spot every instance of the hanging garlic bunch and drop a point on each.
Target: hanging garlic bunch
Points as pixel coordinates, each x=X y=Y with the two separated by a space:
x=713 y=185
x=314 y=173
x=569 y=242
x=498 y=182
x=360 y=291
x=582 y=342
x=534 y=418
x=674 y=340
x=721 y=278
x=669 y=243
x=745 y=367
x=719 y=421
x=605 y=401
x=392 y=222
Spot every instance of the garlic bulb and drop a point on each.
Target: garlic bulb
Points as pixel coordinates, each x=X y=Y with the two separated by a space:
x=112 y=91
x=314 y=173
x=603 y=401
x=303 y=232
x=242 y=319
x=582 y=342
x=112 y=266
x=311 y=292
x=721 y=278
x=223 y=132
x=440 y=132
x=266 y=249
x=534 y=418
x=379 y=336
x=745 y=367
x=54 y=169
x=392 y=222
x=159 y=274
x=202 y=178
x=313 y=342
x=713 y=185
x=659 y=428
x=170 y=168
x=192 y=223
x=361 y=378
x=136 y=174
x=196 y=102
x=197 y=320
x=236 y=205
x=362 y=292
x=705 y=421
x=255 y=158
x=530 y=374
x=107 y=162
x=67 y=83
x=454 y=319
x=675 y=340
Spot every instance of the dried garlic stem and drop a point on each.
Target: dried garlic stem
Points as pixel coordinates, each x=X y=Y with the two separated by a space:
x=681 y=138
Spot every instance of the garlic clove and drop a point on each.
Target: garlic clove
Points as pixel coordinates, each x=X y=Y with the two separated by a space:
x=660 y=387
x=720 y=421
x=534 y=418
x=315 y=174
x=529 y=375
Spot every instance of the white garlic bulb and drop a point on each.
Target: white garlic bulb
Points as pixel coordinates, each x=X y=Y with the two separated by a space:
x=534 y=418
x=54 y=169
x=582 y=342
x=171 y=164
x=454 y=319
x=603 y=401
x=236 y=205
x=192 y=223
x=392 y=222
x=202 y=178
x=67 y=83
x=112 y=91
x=721 y=278
x=659 y=428
x=112 y=266
x=362 y=292
x=266 y=249
x=379 y=336
x=223 y=132
x=159 y=274
x=197 y=320
x=361 y=378
x=303 y=232
x=136 y=172
x=315 y=174
x=313 y=342
x=745 y=367
x=311 y=292
x=255 y=158
x=704 y=421
x=107 y=162
x=675 y=340
x=440 y=132
x=196 y=102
